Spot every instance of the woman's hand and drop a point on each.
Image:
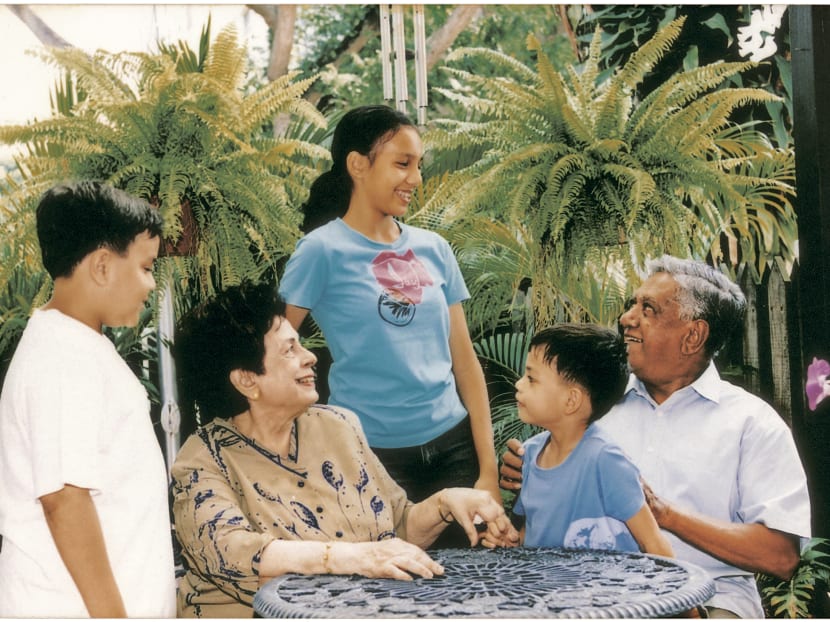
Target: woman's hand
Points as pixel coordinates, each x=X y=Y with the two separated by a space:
x=492 y=537
x=386 y=559
x=471 y=508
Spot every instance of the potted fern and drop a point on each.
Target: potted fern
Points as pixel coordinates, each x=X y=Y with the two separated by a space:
x=579 y=181
x=180 y=130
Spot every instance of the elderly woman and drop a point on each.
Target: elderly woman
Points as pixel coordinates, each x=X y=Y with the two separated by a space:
x=270 y=484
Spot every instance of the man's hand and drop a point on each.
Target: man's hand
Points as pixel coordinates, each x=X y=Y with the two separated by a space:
x=511 y=466
x=657 y=505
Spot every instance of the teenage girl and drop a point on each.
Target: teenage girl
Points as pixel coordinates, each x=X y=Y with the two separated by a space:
x=387 y=297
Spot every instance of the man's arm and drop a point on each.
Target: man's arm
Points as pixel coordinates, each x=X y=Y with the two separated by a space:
x=73 y=522
x=751 y=546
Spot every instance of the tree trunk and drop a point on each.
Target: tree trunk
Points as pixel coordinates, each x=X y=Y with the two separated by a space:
x=440 y=41
x=41 y=30
x=280 y=19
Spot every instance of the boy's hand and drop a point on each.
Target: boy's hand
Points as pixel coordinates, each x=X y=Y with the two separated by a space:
x=495 y=537
x=511 y=466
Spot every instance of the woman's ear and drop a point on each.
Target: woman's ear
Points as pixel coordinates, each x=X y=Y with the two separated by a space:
x=246 y=383
x=357 y=164
x=695 y=337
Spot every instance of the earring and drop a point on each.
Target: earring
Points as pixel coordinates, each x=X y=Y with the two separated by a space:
x=255 y=396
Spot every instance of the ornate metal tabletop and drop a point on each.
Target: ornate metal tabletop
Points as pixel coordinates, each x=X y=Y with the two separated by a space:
x=509 y=583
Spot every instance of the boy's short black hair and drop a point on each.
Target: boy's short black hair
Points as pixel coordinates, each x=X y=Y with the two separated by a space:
x=590 y=355
x=75 y=219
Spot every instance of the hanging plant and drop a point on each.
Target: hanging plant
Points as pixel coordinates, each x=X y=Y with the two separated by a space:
x=587 y=177
x=180 y=130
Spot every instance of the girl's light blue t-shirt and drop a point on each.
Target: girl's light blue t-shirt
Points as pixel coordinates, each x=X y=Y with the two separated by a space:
x=384 y=311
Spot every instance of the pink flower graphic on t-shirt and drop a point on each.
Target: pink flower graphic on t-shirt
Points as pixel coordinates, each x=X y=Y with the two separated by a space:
x=403 y=275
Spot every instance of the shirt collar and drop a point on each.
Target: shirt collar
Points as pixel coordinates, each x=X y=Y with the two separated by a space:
x=707 y=385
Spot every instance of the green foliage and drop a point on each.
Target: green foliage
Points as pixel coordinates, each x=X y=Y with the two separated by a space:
x=325 y=33
x=795 y=598
x=178 y=130
x=592 y=181
x=710 y=35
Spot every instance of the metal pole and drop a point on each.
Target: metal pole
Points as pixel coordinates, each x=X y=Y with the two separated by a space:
x=386 y=51
x=421 y=98
x=399 y=41
x=170 y=415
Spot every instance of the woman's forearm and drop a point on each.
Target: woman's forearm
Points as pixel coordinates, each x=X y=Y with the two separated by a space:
x=302 y=557
x=427 y=519
x=392 y=558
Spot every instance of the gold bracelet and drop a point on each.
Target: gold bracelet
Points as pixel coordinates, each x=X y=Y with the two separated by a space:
x=326 y=552
x=441 y=514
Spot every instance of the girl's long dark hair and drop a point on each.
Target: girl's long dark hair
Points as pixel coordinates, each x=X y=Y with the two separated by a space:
x=361 y=129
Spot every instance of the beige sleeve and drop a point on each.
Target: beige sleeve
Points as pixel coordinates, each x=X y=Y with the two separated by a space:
x=217 y=540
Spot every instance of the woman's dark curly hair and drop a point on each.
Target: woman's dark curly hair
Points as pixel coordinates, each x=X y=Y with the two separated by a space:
x=225 y=333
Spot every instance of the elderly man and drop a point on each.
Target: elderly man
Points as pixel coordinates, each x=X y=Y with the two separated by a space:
x=720 y=468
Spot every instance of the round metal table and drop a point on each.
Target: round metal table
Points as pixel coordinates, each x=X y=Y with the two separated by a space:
x=509 y=583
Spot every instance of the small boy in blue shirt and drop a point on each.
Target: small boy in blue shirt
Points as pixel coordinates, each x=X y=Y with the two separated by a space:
x=580 y=490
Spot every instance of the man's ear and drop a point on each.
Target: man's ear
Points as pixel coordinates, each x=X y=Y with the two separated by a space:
x=246 y=383
x=97 y=264
x=695 y=338
x=357 y=164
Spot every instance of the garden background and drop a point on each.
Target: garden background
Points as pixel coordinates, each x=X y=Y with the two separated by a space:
x=566 y=145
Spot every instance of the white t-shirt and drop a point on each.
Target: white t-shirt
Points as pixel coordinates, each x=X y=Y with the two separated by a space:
x=72 y=412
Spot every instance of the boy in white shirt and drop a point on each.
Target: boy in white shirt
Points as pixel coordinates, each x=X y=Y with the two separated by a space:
x=83 y=487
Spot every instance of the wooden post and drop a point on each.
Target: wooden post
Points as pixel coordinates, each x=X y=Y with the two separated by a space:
x=779 y=344
x=810 y=45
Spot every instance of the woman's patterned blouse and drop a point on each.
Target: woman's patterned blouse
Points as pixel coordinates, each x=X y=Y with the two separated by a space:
x=232 y=497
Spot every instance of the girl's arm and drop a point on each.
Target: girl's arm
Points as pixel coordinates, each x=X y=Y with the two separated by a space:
x=647 y=533
x=472 y=387
x=295 y=315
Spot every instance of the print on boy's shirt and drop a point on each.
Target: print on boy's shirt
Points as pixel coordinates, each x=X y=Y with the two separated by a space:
x=403 y=278
x=602 y=533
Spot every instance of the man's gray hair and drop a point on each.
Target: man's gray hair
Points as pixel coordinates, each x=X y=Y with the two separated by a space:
x=704 y=294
